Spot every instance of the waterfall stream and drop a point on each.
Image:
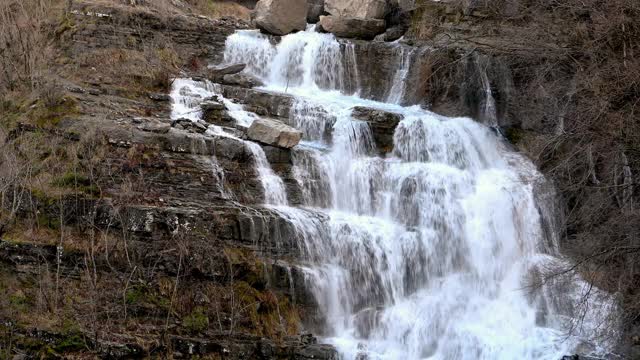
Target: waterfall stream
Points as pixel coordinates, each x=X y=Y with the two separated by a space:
x=425 y=253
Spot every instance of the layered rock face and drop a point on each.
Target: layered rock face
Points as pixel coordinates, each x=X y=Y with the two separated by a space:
x=280 y=17
x=351 y=27
x=186 y=195
x=364 y=19
x=182 y=203
x=363 y=9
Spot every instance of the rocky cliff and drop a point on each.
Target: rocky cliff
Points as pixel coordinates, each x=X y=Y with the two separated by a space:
x=133 y=234
x=156 y=255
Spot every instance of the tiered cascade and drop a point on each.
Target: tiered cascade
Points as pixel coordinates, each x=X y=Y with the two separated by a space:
x=426 y=252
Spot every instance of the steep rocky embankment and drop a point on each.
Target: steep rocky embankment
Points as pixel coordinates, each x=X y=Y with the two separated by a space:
x=132 y=233
x=140 y=249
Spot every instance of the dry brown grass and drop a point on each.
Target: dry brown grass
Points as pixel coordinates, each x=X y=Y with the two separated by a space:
x=217 y=9
x=210 y=8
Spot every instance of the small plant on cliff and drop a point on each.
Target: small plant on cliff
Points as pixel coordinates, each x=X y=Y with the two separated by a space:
x=197 y=321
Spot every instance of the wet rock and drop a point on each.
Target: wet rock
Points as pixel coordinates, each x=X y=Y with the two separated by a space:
x=230 y=148
x=277 y=155
x=242 y=80
x=366 y=320
x=211 y=105
x=225 y=70
x=362 y=9
x=214 y=112
x=263 y=102
x=274 y=133
x=281 y=17
x=384 y=59
x=315 y=8
x=382 y=123
x=350 y=27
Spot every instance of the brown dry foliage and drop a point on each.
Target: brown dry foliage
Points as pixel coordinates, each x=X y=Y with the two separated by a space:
x=209 y=8
x=25 y=46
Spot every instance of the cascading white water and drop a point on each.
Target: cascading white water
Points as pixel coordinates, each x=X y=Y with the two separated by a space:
x=425 y=253
x=488 y=111
x=274 y=191
x=397 y=90
x=306 y=59
x=186 y=98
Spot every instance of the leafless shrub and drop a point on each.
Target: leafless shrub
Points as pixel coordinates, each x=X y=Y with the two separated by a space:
x=24 y=43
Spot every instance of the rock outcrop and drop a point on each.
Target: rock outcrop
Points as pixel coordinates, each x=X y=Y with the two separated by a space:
x=280 y=17
x=242 y=80
x=274 y=133
x=382 y=123
x=351 y=27
x=261 y=102
x=216 y=73
x=362 y=9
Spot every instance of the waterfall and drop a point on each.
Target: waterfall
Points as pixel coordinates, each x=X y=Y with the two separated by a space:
x=397 y=91
x=428 y=251
x=488 y=112
x=274 y=191
x=307 y=59
x=186 y=97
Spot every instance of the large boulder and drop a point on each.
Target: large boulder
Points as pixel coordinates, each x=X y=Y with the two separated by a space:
x=280 y=17
x=350 y=27
x=362 y=9
x=242 y=80
x=215 y=74
x=274 y=133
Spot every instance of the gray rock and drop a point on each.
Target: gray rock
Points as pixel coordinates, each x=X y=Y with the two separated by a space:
x=211 y=105
x=189 y=125
x=226 y=70
x=274 y=133
x=382 y=123
x=362 y=9
x=277 y=155
x=242 y=80
x=280 y=17
x=349 y=27
x=215 y=113
x=156 y=127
